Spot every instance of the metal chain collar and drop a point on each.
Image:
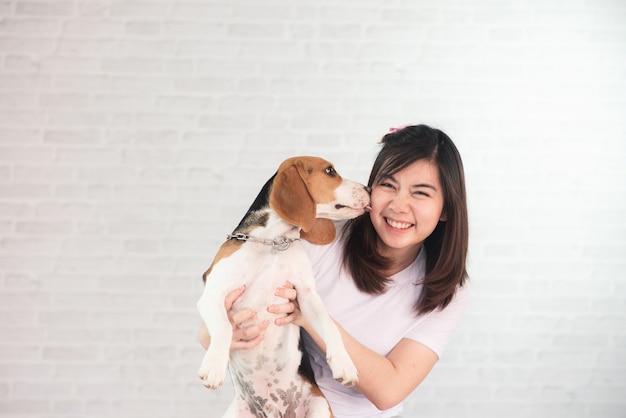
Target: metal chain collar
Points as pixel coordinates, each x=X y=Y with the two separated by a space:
x=279 y=243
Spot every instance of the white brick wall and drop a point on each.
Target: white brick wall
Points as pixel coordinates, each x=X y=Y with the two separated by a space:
x=134 y=135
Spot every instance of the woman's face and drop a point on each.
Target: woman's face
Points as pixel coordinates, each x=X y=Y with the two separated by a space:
x=406 y=208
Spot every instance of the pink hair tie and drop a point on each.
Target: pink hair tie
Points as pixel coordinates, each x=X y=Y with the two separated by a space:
x=394 y=129
x=398 y=128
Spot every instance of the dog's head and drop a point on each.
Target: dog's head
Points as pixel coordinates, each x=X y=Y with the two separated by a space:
x=309 y=193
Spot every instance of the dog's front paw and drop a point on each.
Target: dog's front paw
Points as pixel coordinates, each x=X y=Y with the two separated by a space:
x=211 y=378
x=212 y=372
x=344 y=370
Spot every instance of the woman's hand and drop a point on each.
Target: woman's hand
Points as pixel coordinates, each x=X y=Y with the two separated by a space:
x=290 y=310
x=247 y=332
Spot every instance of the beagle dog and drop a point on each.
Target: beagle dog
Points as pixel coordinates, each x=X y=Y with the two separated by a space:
x=301 y=200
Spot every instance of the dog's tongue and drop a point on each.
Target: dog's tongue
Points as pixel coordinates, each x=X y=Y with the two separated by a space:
x=367 y=208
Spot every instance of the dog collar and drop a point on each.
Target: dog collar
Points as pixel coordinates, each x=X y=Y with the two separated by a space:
x=280 y=243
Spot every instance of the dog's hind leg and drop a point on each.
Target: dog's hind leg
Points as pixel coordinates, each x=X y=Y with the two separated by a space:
x=318 y=406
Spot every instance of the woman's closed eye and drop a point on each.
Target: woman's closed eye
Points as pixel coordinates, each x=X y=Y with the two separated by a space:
x=421 y=193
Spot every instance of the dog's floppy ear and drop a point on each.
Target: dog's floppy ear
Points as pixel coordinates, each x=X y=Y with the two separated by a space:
x=322 y=232
x=291 y=200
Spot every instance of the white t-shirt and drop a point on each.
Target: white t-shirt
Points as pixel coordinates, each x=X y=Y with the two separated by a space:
x=377 y=321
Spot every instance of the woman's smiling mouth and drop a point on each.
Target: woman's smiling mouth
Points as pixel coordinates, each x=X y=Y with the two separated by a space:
x=398 y=225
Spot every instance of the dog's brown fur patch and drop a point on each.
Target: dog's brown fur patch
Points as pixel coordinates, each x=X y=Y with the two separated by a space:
x=226 y=250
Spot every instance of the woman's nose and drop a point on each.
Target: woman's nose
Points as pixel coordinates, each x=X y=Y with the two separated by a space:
x=400 y=202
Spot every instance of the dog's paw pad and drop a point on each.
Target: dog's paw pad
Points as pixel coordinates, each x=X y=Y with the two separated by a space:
x=347 y=380
x=344 y=371
x=213 y=369
x=210 y=379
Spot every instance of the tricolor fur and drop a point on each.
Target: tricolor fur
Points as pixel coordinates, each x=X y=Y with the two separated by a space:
x=301 y=200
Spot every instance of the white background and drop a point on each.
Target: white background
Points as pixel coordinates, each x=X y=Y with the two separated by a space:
x=135 y=134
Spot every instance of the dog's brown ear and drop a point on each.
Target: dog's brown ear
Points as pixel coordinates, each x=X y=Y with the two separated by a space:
x=291 y=200
x=323 y=232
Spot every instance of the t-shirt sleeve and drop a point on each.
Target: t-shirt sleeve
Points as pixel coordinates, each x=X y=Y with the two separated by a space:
x=437 y=328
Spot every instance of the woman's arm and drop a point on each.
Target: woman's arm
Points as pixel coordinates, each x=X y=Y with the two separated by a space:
x=243 y=338
x=384 y=380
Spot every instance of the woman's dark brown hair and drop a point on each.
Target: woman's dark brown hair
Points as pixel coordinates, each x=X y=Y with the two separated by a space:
x=446 y=248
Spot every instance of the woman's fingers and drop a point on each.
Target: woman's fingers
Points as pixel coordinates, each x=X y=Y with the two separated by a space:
x=242 y=316
x=290 y=311
x=287 y=291
x=282 y=308
x=247 y=331
x=248 y=337
x=232 y=296
x=283 y=320
x=246 y=344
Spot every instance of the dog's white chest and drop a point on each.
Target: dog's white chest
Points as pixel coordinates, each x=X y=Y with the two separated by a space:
x=262 y=272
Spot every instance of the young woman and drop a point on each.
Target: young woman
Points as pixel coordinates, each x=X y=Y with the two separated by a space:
x=394 y=279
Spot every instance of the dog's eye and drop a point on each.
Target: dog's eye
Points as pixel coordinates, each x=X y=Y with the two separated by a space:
x=331 y=171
